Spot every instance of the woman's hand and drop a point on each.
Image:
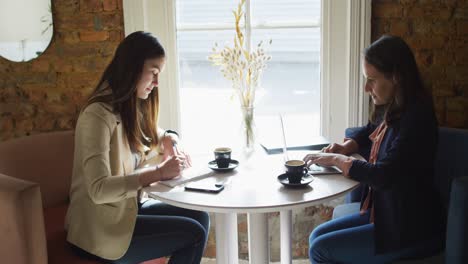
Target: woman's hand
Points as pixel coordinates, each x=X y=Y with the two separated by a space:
x=168 y=142
x=172 y=147
x=170 y=168
x=322 y=159
x=330 y=159
x=347 y=148
x=179 y=151
x=166 y=170
x=334 y=148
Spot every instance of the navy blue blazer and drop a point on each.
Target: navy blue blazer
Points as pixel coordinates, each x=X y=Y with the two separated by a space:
x=407 y=208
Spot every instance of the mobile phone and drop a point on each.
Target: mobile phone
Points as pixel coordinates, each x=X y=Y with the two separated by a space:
x=201 y=186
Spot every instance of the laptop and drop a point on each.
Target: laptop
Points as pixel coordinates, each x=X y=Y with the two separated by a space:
x=270 y=143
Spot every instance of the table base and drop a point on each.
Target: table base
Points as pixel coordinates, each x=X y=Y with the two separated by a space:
x=259 y=249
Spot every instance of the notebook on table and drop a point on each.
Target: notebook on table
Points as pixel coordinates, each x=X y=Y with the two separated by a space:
x=196 y=172
x=190 y=174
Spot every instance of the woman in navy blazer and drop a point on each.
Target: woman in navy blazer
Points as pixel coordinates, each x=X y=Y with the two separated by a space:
x=401 y=215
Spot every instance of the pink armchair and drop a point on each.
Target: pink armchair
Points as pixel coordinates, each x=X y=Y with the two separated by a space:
x=47 y=159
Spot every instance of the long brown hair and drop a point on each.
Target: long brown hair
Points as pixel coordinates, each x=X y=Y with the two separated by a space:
x=117 y=88
x=391 y=56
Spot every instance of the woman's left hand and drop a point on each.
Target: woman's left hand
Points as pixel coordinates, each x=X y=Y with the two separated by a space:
x=179 y=151
x=172 y=147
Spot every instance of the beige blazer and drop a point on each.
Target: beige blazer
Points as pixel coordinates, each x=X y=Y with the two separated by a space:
x=103 y=195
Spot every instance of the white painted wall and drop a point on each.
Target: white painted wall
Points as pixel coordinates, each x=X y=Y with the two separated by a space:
x=345 y=33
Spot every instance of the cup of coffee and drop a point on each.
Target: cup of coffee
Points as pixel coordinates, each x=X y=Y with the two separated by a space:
x=222 y=157
x=295 y=170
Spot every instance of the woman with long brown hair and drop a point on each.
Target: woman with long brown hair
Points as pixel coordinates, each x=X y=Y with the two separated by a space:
x=116 y=132
x=401 y=213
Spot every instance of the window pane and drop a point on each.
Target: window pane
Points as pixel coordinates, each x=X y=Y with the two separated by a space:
x=274 y=11
x=207 y=111
x=210 y=111
x=194 y=47
x=291 y=81
x=191 y=12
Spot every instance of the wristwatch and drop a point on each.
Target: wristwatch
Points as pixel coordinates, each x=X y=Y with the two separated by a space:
x=168 y=131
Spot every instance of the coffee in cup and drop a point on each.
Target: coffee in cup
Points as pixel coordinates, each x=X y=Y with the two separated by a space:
x=222 y=157
x=295 y=170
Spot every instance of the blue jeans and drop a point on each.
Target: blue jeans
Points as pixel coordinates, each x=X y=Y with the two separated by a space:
x=164 y=230
x=350 y=239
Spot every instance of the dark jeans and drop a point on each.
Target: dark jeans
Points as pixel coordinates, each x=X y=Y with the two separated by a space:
x=350 y=239
x=165 y=230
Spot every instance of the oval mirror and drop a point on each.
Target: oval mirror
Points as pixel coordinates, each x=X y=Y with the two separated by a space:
x=25 y=28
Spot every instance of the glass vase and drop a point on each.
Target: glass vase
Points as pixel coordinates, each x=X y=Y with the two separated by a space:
x=248 y=131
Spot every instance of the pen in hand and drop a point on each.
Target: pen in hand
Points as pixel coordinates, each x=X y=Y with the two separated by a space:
x=176 y=151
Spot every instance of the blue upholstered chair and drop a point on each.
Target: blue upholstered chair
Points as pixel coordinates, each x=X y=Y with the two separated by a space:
x=451 y=181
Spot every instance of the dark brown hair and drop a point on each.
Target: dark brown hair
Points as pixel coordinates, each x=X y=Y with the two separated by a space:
x=391 y=56
x=139 y=117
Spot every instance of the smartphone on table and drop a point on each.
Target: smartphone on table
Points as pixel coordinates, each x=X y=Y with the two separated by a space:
x=204 y=186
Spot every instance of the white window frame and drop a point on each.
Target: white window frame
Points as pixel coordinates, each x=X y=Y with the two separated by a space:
x=343 y=101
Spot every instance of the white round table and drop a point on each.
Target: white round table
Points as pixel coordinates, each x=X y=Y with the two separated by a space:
x=253 y=188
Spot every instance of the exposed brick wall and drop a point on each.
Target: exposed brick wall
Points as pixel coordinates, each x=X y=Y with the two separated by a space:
x=437 y=31
x=45 y=94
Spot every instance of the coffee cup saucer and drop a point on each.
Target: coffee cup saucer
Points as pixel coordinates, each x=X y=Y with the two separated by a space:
x=214 y=166
x=305 y=180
